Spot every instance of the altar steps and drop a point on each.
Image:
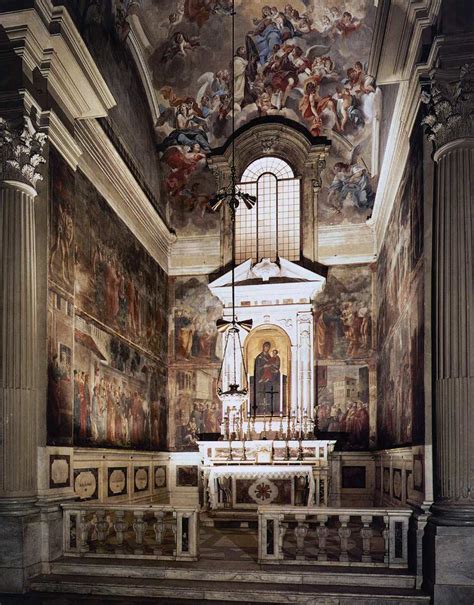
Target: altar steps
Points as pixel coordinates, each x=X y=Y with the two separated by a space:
x=204 y=582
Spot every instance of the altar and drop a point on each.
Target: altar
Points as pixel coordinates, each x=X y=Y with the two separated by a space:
x=253 y=485
x=240 y=474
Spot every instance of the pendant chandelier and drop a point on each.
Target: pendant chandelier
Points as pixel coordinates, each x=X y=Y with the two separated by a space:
x=232 y=393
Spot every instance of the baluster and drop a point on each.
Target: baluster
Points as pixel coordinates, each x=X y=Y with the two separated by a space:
x=344 y=535
x=322 y=532
x=386 y=538
x=120 y=526
x=83 y=532
x=366 y=532
x=102 y=527
x=282 y=527
x=159 y=529
x=301 y=531
x=139 y=527
x=173 y=525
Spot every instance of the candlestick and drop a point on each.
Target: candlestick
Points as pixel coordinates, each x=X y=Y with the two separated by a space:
x=280 y=430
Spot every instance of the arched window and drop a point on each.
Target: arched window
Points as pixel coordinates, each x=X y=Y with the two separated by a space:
x=272 y=228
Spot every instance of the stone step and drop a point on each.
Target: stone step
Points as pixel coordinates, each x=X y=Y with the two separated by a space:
x=193 y=591
x=234 y=571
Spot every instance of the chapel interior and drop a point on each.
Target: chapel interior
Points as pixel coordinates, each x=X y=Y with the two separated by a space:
x=236 y=302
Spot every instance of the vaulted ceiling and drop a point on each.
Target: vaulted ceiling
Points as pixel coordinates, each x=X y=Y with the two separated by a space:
x=304 y=60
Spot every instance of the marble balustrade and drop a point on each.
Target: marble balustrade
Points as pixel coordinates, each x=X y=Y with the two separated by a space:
x=131 y=531
x=333 y=536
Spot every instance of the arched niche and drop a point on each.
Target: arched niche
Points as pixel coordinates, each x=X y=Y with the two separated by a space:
x=267 y=354
x=280 y=137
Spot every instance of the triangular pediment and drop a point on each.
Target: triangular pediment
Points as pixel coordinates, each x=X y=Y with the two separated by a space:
x=269 y=281
x=267 y=272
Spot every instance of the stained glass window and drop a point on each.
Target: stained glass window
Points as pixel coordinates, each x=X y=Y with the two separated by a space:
x=272 y=228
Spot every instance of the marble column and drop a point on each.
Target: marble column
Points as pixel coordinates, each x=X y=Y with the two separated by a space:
x=20 y=157
x=305 y=365
x=451 y=526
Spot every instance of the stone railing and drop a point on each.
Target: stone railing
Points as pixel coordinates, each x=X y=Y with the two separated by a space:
x=131 y=530
x=333 y=536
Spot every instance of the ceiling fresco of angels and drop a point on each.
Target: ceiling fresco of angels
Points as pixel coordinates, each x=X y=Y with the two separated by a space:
x=304 y=60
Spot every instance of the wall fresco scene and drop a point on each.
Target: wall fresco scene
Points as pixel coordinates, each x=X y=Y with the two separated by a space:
x=107 y=325
x=400 y=323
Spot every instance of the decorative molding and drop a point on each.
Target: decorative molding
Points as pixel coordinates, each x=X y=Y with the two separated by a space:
x=105 y=168
x=21 y=149
x=346 y=244
x=60 y=137
x=47 y=40
x=195 y=255
x=138 y=54
x=132 y=165
x=450 y=106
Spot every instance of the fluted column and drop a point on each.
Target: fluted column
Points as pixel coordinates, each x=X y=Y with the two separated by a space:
x=20 y=157
x=450 y=127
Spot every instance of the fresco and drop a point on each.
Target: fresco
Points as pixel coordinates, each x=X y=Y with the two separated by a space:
x=343 y=401
x=343 y=314
x=116 y=281
x=107 y=325
x=119 y=393
x=400 y=331
x=194 y=361
x=343 y=344
x=304 y=60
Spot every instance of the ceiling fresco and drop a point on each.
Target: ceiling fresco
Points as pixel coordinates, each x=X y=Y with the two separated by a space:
x=305 y=60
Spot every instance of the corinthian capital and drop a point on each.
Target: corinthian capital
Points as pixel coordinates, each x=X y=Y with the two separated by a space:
x=21 y=152
x=450 y=106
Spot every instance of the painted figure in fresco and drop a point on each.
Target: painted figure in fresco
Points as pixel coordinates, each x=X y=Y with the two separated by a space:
x=351 y=185
x=63 y=241
x=273 y=28
x=179 y=46
x=325 y=332
x=313 y=105
x=182 y=160
x=267 y=380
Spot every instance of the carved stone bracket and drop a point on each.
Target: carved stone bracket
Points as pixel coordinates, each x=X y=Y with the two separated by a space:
x=450 y=106
x=21 y=151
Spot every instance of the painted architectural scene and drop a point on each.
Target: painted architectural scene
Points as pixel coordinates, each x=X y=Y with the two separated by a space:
x=343 y=314
x=195 y=406
x=343 y=402
x=119 y=393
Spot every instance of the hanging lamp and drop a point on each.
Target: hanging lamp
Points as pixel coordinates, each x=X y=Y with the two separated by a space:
x=233 y=394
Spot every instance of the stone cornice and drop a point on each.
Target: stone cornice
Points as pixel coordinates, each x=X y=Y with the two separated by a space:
x=61 y=138
x=47 y=40
x=104 y=167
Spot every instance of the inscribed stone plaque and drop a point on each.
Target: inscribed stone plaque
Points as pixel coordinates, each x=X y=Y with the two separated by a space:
x=117 y=483
x=160 y=476
x=141 y=478
x=86 y=483
x=59 y=471
x=397 y=483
